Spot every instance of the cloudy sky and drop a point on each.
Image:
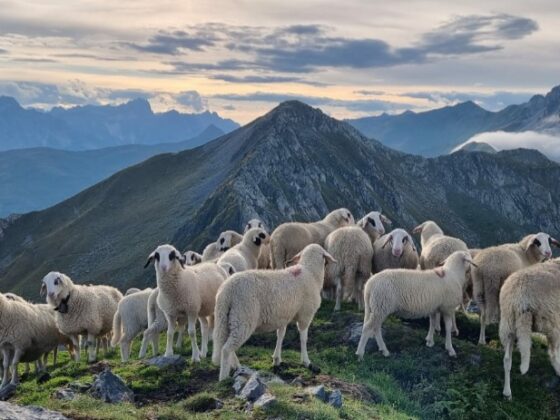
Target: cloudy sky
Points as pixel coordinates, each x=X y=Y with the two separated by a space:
x=239 y=58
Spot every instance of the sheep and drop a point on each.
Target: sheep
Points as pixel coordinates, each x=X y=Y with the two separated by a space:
x=289 y=239
x=130 y=319
x=530 y=302
x=401 y=254
x=496 y=264
x=225 y=241
x=373 y=224
x=245 y=255
x=211 y=252
x=264 y=253
x=184 y=290
x=414 y=294
x=266 y=300
x=131 y=291
x=193 y=258
x=352 y=248
x=81 y=309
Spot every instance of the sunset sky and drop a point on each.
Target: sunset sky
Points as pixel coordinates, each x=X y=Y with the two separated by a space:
x=240 y=58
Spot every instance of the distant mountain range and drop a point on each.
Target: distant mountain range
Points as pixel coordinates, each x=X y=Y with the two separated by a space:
x=94 y=127
x=294 y=163
x=439 y=131
x=33 y=179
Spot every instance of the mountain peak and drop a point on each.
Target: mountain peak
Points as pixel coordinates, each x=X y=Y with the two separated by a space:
x=8 y=103
x=138 y=105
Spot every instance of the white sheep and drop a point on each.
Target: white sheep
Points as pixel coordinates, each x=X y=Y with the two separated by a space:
x=81 y=309
x=289 y=239
x=530 y=302
x=131 y=291
x=414 y=294
x=184 y=290
x=268 y=300
x=211 y=252
x=496 y=264
x=131 y=318
x=264 y=253
x=351 y=247
x=225 y=241
x=245 y=255
x=373 y=224
x=401 y=254
x=193 y=258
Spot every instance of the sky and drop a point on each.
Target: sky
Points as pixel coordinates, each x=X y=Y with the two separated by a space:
x=240 y=58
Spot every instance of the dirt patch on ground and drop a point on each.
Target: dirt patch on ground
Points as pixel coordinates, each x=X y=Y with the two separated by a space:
x=99 y=367
x=355 y=391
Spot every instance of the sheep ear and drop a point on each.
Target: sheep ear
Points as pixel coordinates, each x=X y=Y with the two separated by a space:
x=329 y=257
x=412 y=243
x=362 y=222
x=295 y=259
x=440 y=271
x=182 y=260
x=531 y=242
x=388 y=239
x=554 y=242
x=150 y=259
x=418 y=229
x=43 y=290
x=385 y=219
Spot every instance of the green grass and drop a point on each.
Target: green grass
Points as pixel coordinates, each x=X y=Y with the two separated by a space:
x=414 y=382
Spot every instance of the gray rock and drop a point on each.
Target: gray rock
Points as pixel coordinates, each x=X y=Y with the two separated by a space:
x=354 y=334
x=110 y=388
x=244 y=371
x=253 y=389
x=65 y=394
x=238 y=383
x=79 y=386
x=269 y=378
x=298 y=381
x=7 y=392
x=265 y=401
x=16 y=412
x=176 y=362
x=335 y=398
x=318 y=392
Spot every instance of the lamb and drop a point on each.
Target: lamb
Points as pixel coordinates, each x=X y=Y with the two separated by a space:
x=268 y=300
x=401 y=254
x=289 y=239
x=184 y=290
x=264 y=253
x=530 y=302
x=81 y=309
x=225 y=241
x=414 y=294
x=131 y=318
x=193 y=258
x=496 y=264
x=245 y=255
x=373 y=224
x=352 y=248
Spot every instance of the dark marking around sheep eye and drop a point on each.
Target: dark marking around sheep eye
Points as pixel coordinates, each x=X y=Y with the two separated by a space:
x=222 y=241
x=405 y=240
x=193 y=257
x=156 y=256
x=262 y=235
x=537 y=242
x=56 y=281
x=371 y=221
x=260 y=225
x=172 y=255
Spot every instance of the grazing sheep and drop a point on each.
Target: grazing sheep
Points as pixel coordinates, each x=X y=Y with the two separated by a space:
x=131 y=318
x=245 y=255
x=373 y=224
x=496 y=264
x=81 y=309
x=530 y=302
x=193 y=258
x=268 y=300
x=184 y=290
x=401 y=254
x=264 y=253
x=289 y=239
x=414 y=294
x=351 y=247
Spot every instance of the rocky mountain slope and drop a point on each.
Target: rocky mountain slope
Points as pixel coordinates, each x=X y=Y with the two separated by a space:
x=437 y=132
x=33 y=179
x=94 y=127
x=293 y=163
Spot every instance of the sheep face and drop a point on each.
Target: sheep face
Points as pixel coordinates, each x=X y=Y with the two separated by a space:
x=399 y=238
x=192 y=258
x=542 y=242
x=55 y=285
x=339 y=218
x=228 y=268
x=253 y=223
x=312 y=253
x=375 y=220
x=258 y=236
x=225 y=240
x=165 y=258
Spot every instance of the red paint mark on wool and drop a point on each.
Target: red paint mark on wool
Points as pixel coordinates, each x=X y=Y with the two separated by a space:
x=295 y=270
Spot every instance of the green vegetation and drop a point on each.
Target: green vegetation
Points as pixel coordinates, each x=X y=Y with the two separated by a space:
x=414 y=382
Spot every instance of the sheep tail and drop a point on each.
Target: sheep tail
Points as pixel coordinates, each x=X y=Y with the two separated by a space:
x=221 y=329
x=117 y=328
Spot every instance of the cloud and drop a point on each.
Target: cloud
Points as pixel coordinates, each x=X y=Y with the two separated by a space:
x=493 y=101
x=3 y=51
x=192 y=99
x=367 y=92
x=547 y=144
x=264 y=79
x=175 y=42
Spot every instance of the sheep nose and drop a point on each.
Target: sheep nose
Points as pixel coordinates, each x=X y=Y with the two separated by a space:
x=548 y=254
x=51 y=294
x=381 y=231
x=397 y=252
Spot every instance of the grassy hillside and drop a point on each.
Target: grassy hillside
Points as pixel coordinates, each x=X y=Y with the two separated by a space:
x=414 y=382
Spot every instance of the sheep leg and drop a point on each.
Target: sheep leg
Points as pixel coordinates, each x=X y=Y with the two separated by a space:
x=338 y=293
x=434 y=322
x=303 y=329
x=125 y=349
x=367 y=333
x=234 y=361
x=437 y=322
x=92 y=348
x=225 y=362
x=192 y=334
x=76 y=340
x=6 y=366
x=523 y=333
x=455 y=329
x=448 y=320
x=144 y=345
x=55 y=356
x=27 y=369
x=508 y=351
x=171 y=320
x=277 y=356
x=181 y=329
x=554 y=351
x=210 y=327
x=15 y=360
x=204 y=334
x=482 y=337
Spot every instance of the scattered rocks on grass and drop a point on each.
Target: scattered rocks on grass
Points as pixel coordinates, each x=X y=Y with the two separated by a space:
x=13 y=411
x=253 y=389
x=265 y=401
x=333 y=397
x=110 y=388
x=176 y=362
x=65 y=394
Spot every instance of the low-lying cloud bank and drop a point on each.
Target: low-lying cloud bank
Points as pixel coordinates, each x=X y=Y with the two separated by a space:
x=547 y=144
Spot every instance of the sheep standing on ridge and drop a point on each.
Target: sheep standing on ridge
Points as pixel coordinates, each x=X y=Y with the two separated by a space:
x=401 y=254
x=289 y=239
x=193 y=258
x=264 y=253
x=268 y=300
x=496 y=264
x=373 y=224
x=530 y=302
x=414 y=294
x=245 y=255
x=225 y=241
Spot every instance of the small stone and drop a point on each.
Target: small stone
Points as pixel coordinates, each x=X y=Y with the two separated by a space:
x=335 y=398
x=65 y=394
x=79 y=386
x=298 y=381
x=13 y=411
x=110 y=388
x=269 y=378
x=7 y=392
x=238 y=384
x=243 y=371
x=253 y=389
x=318 y=392
x=265 y=401
x=176 y=362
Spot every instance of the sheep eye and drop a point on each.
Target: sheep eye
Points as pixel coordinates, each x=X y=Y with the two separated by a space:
x=56 y=282
x=537 y=242
x=371 y=221
x=222 y=240
x=404 y=240
x=262 y=235
x=171 y=255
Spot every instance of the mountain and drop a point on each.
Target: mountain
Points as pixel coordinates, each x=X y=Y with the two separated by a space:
x=33 y=179
x=94 y=127
x=293 y=163
x=437 y=132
